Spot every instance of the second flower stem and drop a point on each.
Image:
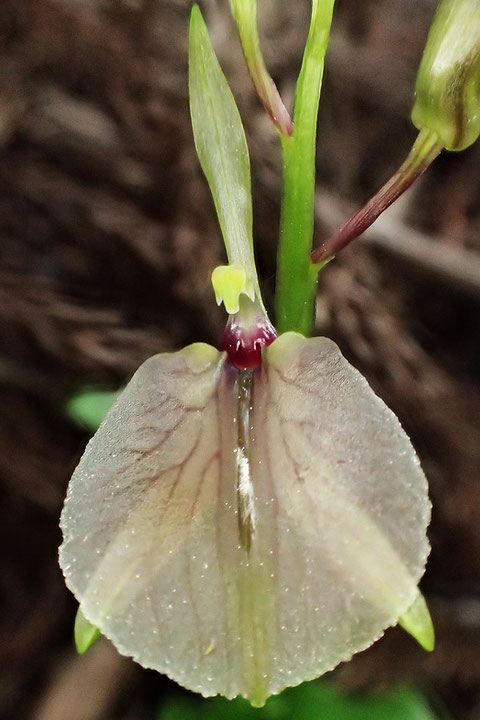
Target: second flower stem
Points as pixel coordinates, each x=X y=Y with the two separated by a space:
x=296 y=276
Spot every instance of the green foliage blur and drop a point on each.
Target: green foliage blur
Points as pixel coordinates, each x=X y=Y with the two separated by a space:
x=88 y=407
x=317 y=700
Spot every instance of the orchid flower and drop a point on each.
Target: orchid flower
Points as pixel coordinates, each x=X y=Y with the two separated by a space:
x=248 y=517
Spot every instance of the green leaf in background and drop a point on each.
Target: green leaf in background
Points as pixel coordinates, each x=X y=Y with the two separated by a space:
x=221 y=147
x=85 y=633
x=88 y=407
x=318 y=700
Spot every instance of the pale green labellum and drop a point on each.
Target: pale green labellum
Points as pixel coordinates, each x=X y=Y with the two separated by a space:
x=245 y=531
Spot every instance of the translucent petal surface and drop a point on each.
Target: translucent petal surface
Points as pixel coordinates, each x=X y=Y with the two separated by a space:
x=153 y=547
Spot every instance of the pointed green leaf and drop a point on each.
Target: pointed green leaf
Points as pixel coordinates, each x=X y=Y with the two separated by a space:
x=221 y=147
x=84 y=632
x=418 y=623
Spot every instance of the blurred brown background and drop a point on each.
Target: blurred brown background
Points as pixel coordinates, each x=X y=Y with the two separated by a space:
x=107 y=241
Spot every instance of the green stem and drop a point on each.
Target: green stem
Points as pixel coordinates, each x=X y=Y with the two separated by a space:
x=296 y=277
x=245 y=14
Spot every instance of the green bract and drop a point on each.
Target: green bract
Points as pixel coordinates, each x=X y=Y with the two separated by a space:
x=448 y=81
x=221 y=148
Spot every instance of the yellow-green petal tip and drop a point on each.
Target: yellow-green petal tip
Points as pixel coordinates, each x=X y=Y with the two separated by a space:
x=418 y=623
x=84 y=632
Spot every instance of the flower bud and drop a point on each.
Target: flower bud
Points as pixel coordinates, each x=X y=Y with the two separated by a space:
x=448 y=81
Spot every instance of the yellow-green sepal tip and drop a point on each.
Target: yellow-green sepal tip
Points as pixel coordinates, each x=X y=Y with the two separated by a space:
x=417 y=622
x=84 y=632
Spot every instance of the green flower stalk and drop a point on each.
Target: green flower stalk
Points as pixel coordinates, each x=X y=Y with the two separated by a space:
x=296 y=276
